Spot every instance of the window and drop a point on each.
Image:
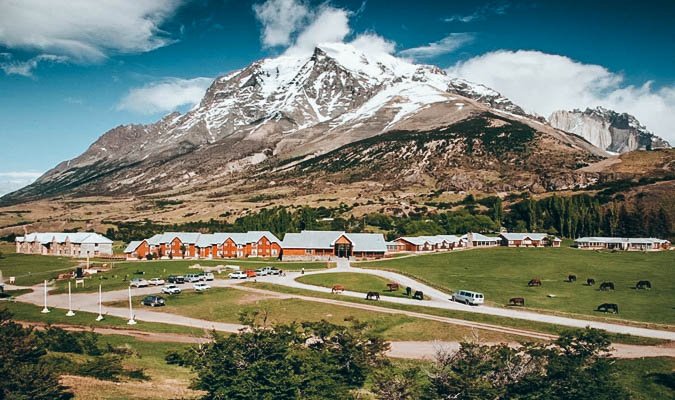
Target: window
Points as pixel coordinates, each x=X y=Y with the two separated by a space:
x=308 y=251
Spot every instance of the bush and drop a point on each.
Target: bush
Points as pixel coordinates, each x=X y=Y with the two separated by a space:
x=107 y=368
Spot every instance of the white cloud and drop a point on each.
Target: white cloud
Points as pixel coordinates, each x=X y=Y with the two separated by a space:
x=11 y=181
x=446 y=45
x=25 y=68
x=543 y=83
x=280 y=19
x=373 y=44
x=166 y=95
x=83 y=30
x=329 y=25
x=480 y=13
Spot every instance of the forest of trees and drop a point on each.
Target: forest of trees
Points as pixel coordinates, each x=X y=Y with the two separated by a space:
x=568 y=217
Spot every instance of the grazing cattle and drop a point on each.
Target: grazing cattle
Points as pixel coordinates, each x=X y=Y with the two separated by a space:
x=372 y=296
x=571 y=278
x=607 y=286
x=408 y=290
x=643 y=285
x=393 y=287
x=534 y=282
x=517 y=301
x=418 y=295
x=608 y=308
x=590 y=281
x=337 y=289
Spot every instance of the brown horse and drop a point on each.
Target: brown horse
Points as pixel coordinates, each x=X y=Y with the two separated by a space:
x=393 y=286
x=534 y=282
x=517 y=301
x=337 y=289
x=372 y=296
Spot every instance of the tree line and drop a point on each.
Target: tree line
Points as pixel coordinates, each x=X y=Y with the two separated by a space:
x=568 y=217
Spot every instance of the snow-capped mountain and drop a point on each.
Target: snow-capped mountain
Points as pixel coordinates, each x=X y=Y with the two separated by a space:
x=288 y=107
x=607 y=129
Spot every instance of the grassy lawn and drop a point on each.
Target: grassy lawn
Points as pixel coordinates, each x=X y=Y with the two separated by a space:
x=648 y=378
x=165 y=381
x=353 y=281
x=120 y=274
x=225 y=305
x=31 y=313
x=32 y=269
x=503 y=273
x=463 y=315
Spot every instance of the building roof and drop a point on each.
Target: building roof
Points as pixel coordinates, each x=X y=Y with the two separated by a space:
x=133 y=245
x=367 y=242
x=370 y=242
x=416 y=240
x=601 y=239
x=477 y=237
x=61 y=237
x=524 y=236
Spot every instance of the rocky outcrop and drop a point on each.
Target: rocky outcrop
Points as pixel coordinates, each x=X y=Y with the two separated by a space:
x=607 y=129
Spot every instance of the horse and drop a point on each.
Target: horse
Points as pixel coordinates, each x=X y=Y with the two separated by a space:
x=643 y=285
x=607 y=286
x=590 y=281
x=572 y=278
x=408 y=291
x=372 y=296
x=393 y=286
x=517 y=301
x=419 y=295
x=337 y=289
x=608 y=307
x=534 y=282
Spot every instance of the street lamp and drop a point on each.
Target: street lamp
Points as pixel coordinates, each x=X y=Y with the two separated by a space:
x=132 y=321
x=45 y=310
x=70 y=312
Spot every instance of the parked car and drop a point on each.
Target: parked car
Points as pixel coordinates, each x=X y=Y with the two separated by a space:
x=191 y=278
x=208 y=276
x=274 y=271
x=177 y=279
x=153 y=301
x=262 y=271
x=201 y=286
x=468 y=297
x=156 y=282
x=250 y=273
x=171 y=289
x=138 y=282
x=237 y=275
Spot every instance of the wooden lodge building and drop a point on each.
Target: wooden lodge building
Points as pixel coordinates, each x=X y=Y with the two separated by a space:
x=69 y=244
x=329 y=245
x=525 y=239
x=623 y=244
x=208 y=245
x=425 y=243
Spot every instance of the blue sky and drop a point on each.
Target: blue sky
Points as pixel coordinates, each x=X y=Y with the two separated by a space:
x=72 y=69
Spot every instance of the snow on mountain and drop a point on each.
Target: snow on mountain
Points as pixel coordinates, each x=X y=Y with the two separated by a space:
x=607 y=129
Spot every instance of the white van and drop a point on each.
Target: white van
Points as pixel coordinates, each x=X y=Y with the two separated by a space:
x=467 y=297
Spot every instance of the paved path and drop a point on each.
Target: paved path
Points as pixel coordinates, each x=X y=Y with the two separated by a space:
x=442 y=300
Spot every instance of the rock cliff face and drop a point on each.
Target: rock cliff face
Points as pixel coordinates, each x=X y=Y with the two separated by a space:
x=607 y=129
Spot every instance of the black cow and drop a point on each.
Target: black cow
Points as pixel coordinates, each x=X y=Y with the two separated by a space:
x=608 y=308
x=572 y=278
x=607 y=286
x=590 y=281
x=408 y=291
x=419 y=295
x=372 y=296
x=643 y=285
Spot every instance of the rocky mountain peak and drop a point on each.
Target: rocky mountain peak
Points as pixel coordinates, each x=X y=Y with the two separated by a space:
x=607 y=129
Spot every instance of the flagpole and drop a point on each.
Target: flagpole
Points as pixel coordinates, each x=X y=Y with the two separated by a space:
x=70 y=312
x=45 y=310
x=100 y=315
x=131 y=311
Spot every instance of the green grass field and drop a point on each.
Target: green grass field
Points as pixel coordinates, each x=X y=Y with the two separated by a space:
x=353 y=281
x=32 y=269
x=225 y=305
x=503 y=273
x=648 y=378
